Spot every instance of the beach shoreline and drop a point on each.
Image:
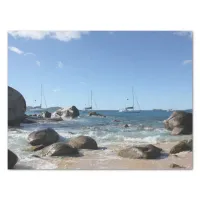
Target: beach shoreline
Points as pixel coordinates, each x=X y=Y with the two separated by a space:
x=108 y=159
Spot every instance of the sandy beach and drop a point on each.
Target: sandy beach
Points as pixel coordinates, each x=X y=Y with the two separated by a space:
x=107 y=159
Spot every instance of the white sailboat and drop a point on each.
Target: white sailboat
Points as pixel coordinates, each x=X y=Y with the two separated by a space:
x=131 y=109
x=89 y=107
x=40 y=108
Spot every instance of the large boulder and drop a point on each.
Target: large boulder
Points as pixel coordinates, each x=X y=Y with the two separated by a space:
x=185 y=145
x=16 y=107
x=59 y=149
x=12 y=159
x=83 y=142
x=71 y=112
x=179 y=123
x=46 y=114
x=141 y=152
x=43 y=137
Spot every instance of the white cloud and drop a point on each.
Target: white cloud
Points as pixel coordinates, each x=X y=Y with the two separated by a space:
x=38 y=63
x=39 y=35
x=31 y=54
x=184 y=33
x=56 y=90
x=16 y=50
x=185 y=62
x=59 y=64
x=34 y=35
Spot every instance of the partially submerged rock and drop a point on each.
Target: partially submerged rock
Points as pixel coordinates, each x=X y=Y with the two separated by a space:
x=12 y=159
x=180 y=123
x=29 y=121
x=71 y=112
x=43 y=137
x=83 y=142
x=126 y=126
x=55 y=119
x=141 y=152
x=185 y=145
x=46 y=114
x=59 y=149
x=95 y=114
x=16 y=107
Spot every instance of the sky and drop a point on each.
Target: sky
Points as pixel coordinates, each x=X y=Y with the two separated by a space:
x=69 y=64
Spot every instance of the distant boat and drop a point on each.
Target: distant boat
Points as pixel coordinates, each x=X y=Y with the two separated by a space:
x=131 y=109
x=170 y=110
x=39 y=108
x=89 y=107
x=158 y=110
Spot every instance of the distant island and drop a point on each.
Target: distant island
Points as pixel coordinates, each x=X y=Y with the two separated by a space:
x=56 y=108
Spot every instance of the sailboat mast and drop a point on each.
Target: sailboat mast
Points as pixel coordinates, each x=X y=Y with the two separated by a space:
x=91 y=98
x=133 y=97
x=41 y=96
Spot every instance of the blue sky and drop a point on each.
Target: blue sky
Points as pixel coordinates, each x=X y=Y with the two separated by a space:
x=70 y=64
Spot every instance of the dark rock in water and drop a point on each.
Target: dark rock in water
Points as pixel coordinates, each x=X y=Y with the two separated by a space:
x=71 y=112
x=180 y=123
x=56 y=119
x=12 y=159
x=185 y=145
x=190 y=143
x=16 y=107
x=28 y=121
x=95 y=114
x=141 y=152
x=116 y=120
x=37 y=148
x=173 y=165
x=46 y=114
x=36 y=156
x=59 y=149
x=83 y=142
x=43 y=137
x=126 y=126
x=71 y=133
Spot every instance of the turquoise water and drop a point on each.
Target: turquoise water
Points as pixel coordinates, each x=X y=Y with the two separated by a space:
x=144 y=127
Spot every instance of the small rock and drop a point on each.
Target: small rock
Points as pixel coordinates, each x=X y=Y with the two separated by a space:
x=173 y=165
x=126 y=126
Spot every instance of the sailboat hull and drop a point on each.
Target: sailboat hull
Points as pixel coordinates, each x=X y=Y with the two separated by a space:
x=130 y=111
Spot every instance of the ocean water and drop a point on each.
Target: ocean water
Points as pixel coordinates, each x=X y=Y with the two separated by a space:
x=144 y=128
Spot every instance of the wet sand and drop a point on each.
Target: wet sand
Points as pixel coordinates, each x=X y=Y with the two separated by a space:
x=108 y=159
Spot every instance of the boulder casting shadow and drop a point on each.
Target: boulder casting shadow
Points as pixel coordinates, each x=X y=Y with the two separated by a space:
x=141 y=152
x=83 y=142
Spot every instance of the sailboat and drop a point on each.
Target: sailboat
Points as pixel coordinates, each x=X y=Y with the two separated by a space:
x=89 y=107
x=131 y=109
x=39 y=108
